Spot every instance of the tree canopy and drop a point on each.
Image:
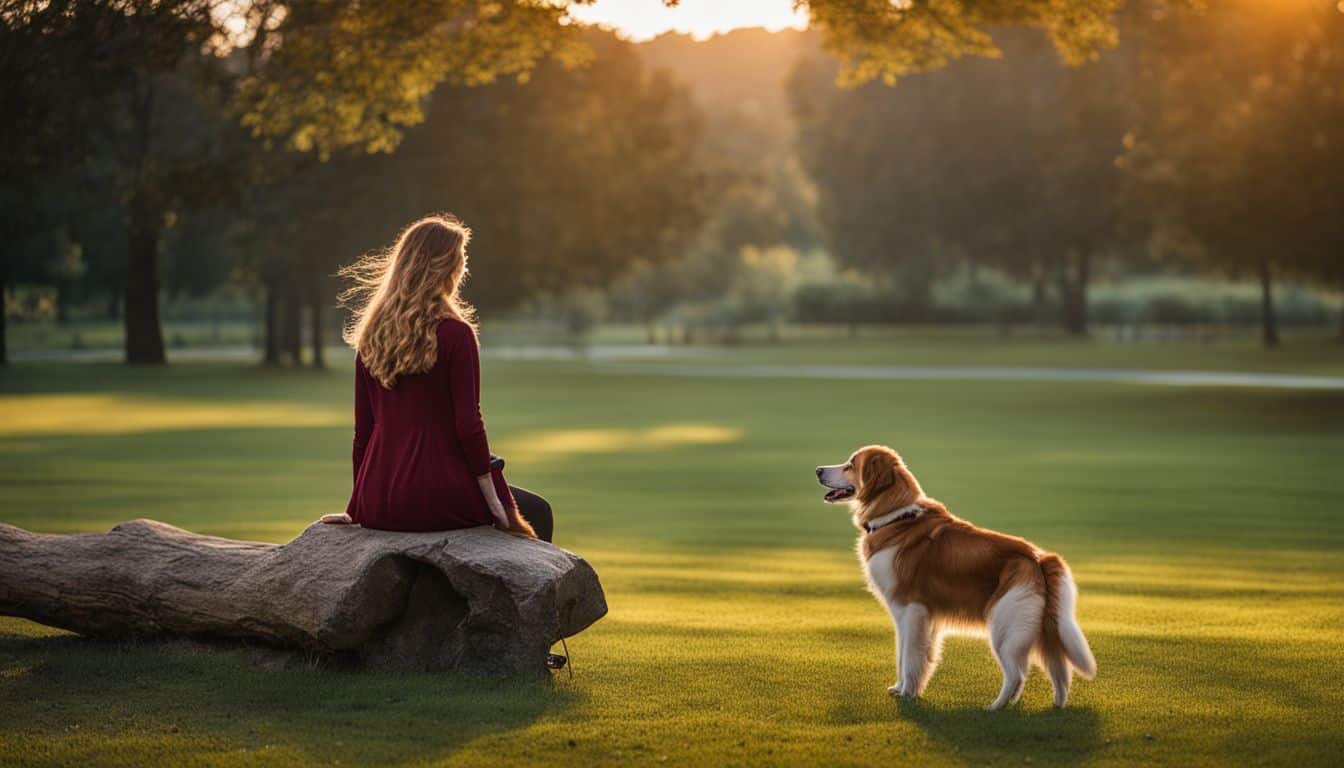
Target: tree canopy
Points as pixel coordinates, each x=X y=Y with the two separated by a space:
x=888 y=39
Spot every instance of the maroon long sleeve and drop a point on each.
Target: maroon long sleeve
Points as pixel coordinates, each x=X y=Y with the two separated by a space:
x=420 y=445
x=363 y=414
x=464 y=379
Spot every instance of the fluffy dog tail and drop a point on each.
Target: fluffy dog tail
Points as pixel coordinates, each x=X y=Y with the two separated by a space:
x=1061 y=634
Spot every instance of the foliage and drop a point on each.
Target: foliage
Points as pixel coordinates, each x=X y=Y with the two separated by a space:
x=325 y=76
x=306 y=75
x=1007 y=163
x=889 y=39
x=565 y=180
x=761 y=196
x=1240 y=142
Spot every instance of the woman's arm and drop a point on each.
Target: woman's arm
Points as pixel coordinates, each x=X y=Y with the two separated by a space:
x=464 y=372
x=464 y=379
x=363 y=414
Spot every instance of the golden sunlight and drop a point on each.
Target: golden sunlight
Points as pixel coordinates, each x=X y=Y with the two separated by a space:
x=535 y=446
x=125 y=414
x=644 y=19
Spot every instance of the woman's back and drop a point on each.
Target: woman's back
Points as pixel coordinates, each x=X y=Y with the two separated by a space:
x=420 y=445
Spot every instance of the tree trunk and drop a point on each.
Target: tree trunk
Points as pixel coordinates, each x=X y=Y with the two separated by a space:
x=62 y=302
x=4 y=314
x=292 y=337
x=1341 y=319
x=315 y=323
x=271 y=354
x=1269 y=318
x=144 y=333
x=1073 y=292
x=476 y=600
x=1038 y=297
x=114 y=303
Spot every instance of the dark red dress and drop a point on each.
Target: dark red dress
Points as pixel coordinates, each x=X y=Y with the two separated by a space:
x=420 y=445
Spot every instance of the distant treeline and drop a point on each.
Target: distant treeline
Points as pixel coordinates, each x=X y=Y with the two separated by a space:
x=1213 y=139
x=153 y=150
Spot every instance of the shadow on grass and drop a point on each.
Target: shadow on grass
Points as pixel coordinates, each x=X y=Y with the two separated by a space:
x=1023 y=732
x=1057 y=736
x=156 y=702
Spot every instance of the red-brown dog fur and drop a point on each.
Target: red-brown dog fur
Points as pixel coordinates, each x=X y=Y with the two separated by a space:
x=958 y=573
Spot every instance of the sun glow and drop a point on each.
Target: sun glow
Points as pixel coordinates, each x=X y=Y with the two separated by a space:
x=644 y=19
x=109 y=414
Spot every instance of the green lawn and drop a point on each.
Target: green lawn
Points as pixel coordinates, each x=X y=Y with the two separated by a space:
x=1204 y=525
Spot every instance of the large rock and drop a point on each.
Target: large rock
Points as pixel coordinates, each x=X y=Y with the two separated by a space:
x=475 y=600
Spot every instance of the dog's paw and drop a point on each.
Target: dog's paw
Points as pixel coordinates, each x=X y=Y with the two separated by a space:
x=899 y=691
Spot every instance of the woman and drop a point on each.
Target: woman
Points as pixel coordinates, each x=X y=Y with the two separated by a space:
x=421 y=459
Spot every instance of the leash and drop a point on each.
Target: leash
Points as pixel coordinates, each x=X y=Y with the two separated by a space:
x=569 y=660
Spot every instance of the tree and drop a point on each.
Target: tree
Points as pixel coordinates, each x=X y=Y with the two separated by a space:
x=58 y=69
x=325 y=77
x=1305 y=94
x=566 y=180
x=889 y=39
x=1236 y=144
x=172 y=154
x=304 y=75
x=1008 y=163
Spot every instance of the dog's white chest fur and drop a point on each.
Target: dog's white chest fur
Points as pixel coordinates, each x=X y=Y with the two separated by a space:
x=880 y=571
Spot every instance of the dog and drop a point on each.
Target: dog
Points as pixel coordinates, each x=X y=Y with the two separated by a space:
x=936 y=573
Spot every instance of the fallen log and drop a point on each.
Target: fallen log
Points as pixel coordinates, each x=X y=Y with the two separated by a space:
x=478 y=600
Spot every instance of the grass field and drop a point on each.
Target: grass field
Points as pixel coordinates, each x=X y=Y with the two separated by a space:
x=1204 y=525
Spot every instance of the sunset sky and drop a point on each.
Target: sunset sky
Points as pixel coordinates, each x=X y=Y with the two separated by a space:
x=643 y=19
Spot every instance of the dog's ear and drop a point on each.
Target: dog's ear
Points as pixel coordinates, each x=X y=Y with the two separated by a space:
x=877 y=473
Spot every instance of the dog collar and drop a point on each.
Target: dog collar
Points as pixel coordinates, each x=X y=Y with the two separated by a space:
x=896 y=516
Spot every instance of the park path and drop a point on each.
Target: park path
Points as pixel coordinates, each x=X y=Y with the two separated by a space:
x=956 y=373
x=648 y=360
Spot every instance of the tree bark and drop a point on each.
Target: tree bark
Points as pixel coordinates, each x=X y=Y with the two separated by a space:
x=271 y=354
x=1038 y=298
x=292 y=335
x=144 y=333
x=62 y=302
x=476 y=600
x=4 y=314
x=1341 y=317
x=315 y=323
x=1269 y=318
x=1082 y=318
x=1073 y=284
x=114 y=302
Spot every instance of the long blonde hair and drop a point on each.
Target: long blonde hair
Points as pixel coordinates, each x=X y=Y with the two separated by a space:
x=401 y=293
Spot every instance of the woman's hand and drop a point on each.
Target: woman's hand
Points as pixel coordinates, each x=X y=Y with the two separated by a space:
x=497 y=510
x=506 y=519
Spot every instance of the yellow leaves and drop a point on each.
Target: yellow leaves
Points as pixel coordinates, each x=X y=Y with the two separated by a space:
x=356 y=74
x=881 y=39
